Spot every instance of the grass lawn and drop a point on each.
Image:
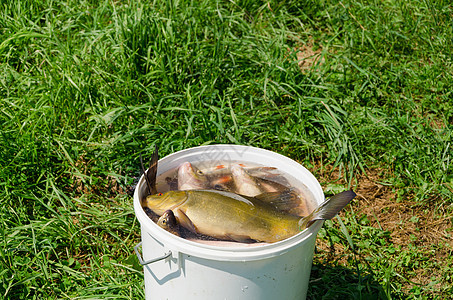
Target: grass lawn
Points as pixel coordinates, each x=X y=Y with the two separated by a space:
x=359 y=92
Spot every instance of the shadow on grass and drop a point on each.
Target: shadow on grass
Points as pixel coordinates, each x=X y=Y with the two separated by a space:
x=337 y=282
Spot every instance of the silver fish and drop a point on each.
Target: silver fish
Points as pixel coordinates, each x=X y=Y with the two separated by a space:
x=191 y=178
x=249 y=185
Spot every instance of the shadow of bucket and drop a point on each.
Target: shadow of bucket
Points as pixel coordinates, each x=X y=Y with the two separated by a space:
x=176 y=268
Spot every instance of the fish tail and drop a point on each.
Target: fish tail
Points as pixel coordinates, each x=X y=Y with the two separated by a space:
x=329 y=209
x=334 y=205
x=148 y=184
x=152 y=171
x=150 y=176
x=306 y=222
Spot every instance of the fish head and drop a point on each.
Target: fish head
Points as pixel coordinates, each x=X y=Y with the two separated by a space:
x=245 y=183
x=161 y=202
x=167 y=220
x=191 y=178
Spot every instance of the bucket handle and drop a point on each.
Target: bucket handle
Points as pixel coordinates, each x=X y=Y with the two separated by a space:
x=144 y=263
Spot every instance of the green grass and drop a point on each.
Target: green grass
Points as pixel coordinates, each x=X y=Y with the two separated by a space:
x=85 y=86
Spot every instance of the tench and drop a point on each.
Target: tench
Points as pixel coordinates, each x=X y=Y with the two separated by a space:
x=168 y=222
x=229 y=216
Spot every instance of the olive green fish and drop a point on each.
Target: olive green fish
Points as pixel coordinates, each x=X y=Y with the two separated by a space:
x=168 y=222
x=229 y=216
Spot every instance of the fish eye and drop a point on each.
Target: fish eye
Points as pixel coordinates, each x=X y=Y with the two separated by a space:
x=199 y=172
x=159 y=194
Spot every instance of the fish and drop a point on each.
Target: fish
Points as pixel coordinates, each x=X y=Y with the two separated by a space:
x=225 y=215
x=254 y=185
x=223 y=172
x=191 y=178
x=245 y=184
x=229 y=216
x=222 y=183
x=215 y=171
x=168 y=222
x=222 y=169
x=220 y=177
x=249 y=185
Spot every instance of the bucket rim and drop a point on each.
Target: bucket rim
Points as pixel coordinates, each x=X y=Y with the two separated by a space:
x=241 y=253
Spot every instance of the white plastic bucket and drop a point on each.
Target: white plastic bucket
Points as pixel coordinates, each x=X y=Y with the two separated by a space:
x=176 y=268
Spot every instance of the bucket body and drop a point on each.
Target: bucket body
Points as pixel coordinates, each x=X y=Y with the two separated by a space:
x=176 y=268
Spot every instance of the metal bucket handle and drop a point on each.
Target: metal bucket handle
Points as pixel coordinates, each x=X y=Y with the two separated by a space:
x=144 y=263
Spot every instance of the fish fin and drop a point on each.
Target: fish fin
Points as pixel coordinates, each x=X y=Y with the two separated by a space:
x=261 y=171
x=148 y=184
x=306 y=222
x=334 y=205
x=224 y=179
x=240 y=238
x=152 y=172
x=267 y=173
x=284 y=200
x=184 y=220
x=329 y=209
